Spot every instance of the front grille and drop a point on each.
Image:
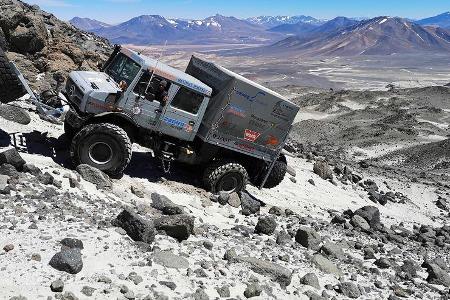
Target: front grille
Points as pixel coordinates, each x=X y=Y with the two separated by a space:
x=74 y=93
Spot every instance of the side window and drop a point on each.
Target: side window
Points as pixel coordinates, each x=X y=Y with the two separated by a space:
x=123 y=68
x=154 y=90
x=187 y=100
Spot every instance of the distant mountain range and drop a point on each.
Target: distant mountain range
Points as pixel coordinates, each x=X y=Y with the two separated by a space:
x=377 y=36
x=87 y=24
x=155 y=29
x=300 y=34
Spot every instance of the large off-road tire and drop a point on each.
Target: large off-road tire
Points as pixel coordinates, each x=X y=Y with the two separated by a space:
x=276 y=175
x=225 y=176
x=104 y=146
x=10 y=86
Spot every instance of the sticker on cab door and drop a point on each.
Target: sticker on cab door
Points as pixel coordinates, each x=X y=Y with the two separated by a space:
x=251 y=135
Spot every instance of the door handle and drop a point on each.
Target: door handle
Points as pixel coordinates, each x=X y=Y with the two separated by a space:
x=192 y=123
x=158 y=111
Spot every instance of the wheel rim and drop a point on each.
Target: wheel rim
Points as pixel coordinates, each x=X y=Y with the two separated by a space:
x=100 y=153
x=229 y=183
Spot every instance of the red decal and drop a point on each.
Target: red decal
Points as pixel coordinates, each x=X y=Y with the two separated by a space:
x=251 y=135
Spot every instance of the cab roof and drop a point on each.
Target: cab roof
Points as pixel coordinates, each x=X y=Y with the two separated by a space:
x=168 y=72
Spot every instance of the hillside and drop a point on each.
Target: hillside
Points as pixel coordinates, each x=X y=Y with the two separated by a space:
x=378 y=36
x=39 y=43
x=442 y=20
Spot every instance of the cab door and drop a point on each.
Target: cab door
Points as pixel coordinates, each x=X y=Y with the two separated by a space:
x=183 y=114
x=142 y=106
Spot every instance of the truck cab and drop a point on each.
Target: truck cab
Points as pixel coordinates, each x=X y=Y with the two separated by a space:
x=149 y=93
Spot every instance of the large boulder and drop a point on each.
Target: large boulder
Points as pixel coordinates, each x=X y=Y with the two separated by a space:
x=371 y=214
x=170 y=260
x=67 y=260
x=136 y=227
x=436 y=275
x=308 y=238
x=95 y=176
x=30 y=35
x=15 y=114
x=12 y=157
x=326 y=265
x=179 y=227
x=322 y=169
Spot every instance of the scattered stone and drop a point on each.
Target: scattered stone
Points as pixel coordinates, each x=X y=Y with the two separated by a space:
x=138 y=190
x=164 y=204
x=104 y=279
x=276 y=272
x=15 y=114
x=200 y=294
x=283 y=238
x=266 y=225
x=67 y=260
x=32 y=169
x=87 y=291
x=179 y=227
x=72 y=243
x=325 y=265
x=136 y=227
x=12 y=157
x=223 y=198
x=383 y=263
x=436 y=275
x=360 y=222
x=171 y=285
x=277 y=211
x=8 y=248
x=234 y=200
x=208 y=245
x=36 y=257
x=322 y=169
x=252 y=290
x=351 y=290
x=308 y=238
x=311 y=280
x=57 y=286
x=46 y=178
x=95 y=176
x=170 y=260
x=371 y=214
x=249 y=204
x=311 y=182
x=224 y=291
x=332 y=250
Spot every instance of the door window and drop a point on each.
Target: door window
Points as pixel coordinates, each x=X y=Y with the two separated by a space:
x=154 y=90
x=123 y=68
x=187 y=100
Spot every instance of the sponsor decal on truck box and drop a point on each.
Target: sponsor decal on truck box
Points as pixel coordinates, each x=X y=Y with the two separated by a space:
x=251 y=136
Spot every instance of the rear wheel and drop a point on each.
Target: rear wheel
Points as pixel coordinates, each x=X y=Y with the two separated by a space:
x=276 y=175
x=10 y=86
x=225 y=176
x=104 y=146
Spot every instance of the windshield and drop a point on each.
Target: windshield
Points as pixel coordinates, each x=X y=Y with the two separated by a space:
x=123 y=68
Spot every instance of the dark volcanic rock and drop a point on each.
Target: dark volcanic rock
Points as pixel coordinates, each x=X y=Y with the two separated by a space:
x=351 y=290
x=67 y=260
x=179 y=227
x=322 y=169
x=311 y=280
x=249 y=204
x=72 y=243
x=136 y=227
x=276 y=272
x=12 y=157
x=437 y=275
x=15 y=114
x=266 y=225
x=371 y=214
x=308 y=238
x=164 y=204
x=95 y=176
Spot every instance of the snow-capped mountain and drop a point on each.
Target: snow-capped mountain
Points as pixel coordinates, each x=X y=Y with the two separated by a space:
x=155 y=29
x=273 y=21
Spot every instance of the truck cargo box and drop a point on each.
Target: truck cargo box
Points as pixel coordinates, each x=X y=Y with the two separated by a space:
x=242 y=115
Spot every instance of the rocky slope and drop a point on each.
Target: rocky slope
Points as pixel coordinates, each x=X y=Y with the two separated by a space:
x=41 y=45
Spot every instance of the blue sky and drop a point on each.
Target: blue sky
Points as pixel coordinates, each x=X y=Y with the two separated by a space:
x=115 y=11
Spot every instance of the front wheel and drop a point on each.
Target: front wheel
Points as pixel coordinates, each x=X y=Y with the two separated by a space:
x=104 y=146
x=225 y=176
